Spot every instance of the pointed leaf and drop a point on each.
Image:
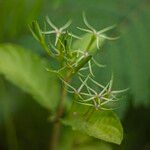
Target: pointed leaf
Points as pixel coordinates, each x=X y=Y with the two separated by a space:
x=26 y=70
x=100 y=124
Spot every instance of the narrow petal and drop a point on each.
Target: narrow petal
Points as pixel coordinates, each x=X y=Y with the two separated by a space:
x=48 y=32
x=109 y=38
x=86 y=30
x=96 y=83
x=106 y=29
x=66 y=25
x=86 y=22
x=50 y=23
x=120 y=91
x=83 y=84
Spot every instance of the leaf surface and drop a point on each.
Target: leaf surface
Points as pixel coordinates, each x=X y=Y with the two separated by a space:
x=100 y=124
x=27 y=71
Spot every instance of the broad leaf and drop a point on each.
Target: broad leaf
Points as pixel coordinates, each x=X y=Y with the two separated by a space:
x=97 y=123
x=27 y=71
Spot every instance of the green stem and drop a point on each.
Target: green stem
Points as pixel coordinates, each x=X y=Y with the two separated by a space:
x=91 y=42
x=57 y=124
x=44 y=45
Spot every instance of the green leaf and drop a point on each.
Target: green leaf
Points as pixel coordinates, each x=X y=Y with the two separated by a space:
x=85 y=142
x=15 y=15
x=93 y=146
x=26 y=70
x=37 y=34
x=100 y=124
x=36 y=31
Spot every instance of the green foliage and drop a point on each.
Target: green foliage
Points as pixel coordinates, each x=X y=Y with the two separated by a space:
x=70 y=62
x=128 y=58
x=15 y=15
x=92 y=115
x=80 y=141
x=27 y=71
x=97 y=123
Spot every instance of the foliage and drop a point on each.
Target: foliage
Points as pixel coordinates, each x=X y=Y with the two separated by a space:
x=15 y=15
x=24 y=121
x=26 y=70
x=100 y=124
x=71 y=62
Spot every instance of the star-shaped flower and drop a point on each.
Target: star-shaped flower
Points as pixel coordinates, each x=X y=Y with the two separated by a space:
x=58 y=31
x=91 y=97
x=97 y=34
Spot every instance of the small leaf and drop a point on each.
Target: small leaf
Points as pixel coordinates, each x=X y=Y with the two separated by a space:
x=26 y=70
x=37 y=34
x=36 y=31
x=100 y=124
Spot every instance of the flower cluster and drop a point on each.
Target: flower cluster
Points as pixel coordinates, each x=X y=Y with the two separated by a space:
x=87 y=95
x=73 y=61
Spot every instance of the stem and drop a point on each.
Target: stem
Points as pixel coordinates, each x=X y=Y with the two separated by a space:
x=91 y=42
x=57 y=123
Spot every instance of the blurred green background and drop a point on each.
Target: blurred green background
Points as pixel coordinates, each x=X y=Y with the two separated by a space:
x=23 y=123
